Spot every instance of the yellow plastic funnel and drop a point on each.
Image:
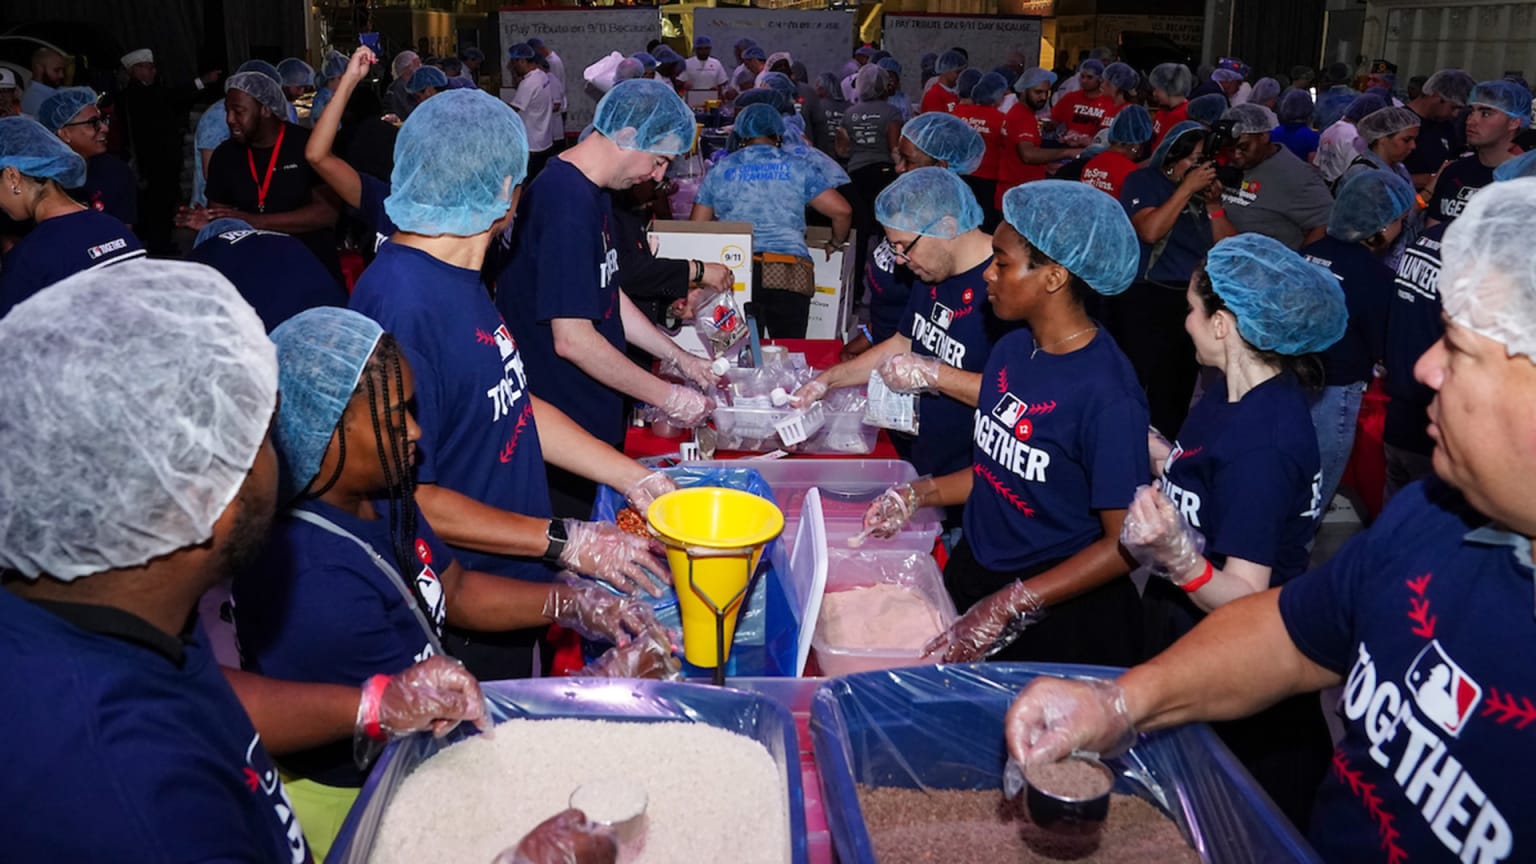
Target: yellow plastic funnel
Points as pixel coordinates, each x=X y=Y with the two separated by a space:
x=714 y=539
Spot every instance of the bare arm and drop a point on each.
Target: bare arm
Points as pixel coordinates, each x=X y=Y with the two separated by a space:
x=1313 y=235
x=318 y=214
x=702 y=213
x=843 y=144
x=1031 y=153
x=1237 y=578
x=579 y=343
x=856 y=371
x=341 y=177
x=641 y=332
x=962 y=386
x=567 y=445
x=463 y=521
x=1153 y=223
x=491 y=604
x=948 y=490
x=893 y=137
x=831 y=204
x=1094 y=565
x=295 y=715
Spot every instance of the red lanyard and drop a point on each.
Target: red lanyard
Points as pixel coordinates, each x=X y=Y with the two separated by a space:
x=263 y=185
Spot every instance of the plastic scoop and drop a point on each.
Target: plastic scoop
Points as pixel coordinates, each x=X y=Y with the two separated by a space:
x=617 y=804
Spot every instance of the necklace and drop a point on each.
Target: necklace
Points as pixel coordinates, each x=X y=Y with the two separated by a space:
x=1059 y=342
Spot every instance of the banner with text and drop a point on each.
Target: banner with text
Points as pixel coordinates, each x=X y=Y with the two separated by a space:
x=988 y=39
x=581 y=37
x=823 y=41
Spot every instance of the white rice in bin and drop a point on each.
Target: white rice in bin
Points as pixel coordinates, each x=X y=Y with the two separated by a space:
x=714 y=795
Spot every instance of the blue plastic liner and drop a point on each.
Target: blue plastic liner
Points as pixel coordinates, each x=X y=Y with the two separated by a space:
x=768 y=626
x=757 y=717
x=941 y=727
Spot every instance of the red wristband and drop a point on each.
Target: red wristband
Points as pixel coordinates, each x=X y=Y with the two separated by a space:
x=1198 y=582
x=373 y=702
x=1217 y=214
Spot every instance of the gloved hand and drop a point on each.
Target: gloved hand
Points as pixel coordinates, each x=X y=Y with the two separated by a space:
x=1158 y=449
x=988 y=627
x=686 y=407
x=601 y=550
x=435 y=694
x=650 y=655
x=596 y=613
x=911 y=373
x=648 y=489
x=1158 y=536
x=694 y=368
x=565 y=838
x=1054 y=716
x=813 y=390
x=887 y=514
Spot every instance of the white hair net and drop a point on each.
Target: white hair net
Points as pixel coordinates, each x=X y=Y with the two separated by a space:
x=1488 y=266
x=871 y=83
x=1250 y=119
x=459 y=190
x=137 y=398
x=646 y=114
x=1175 y=79
x=264 y=90
x=1386 y=121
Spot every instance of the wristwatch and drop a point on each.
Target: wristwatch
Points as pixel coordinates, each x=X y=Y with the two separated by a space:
x=557 y=540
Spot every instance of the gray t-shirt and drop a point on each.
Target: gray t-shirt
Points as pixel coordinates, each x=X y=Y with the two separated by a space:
x=1283 y=197
x=865 y=123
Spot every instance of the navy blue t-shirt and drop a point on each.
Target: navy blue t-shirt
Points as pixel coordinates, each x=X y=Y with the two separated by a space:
x=564 y=265
x=274 y=272
x=1427 y=615
x=120 y=751
x=478 y=435
x=1058 y=437
x=1457 y=184
x=890 y=285
x=1367 y=284
x=1413 y=324
x=110 y=188
x=1438 y=143
x=1246 y=475
x=370 y=208
x=319 y=609
x=1299 y=138
x=1189 y=239
x=58 y=248
x=954 y=322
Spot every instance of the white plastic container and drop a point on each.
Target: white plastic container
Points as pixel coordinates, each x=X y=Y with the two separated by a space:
x=848 y=569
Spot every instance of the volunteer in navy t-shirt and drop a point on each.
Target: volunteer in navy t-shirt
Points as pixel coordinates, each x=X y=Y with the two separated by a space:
x=60 y=247
x=274 y=272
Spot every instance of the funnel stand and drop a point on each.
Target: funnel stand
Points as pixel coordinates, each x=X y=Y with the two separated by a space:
x=718 y=609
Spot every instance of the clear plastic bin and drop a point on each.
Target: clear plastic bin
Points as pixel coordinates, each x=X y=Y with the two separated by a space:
x=757 y=717
x=941 y=727
x=751 y=430
x=858 y=568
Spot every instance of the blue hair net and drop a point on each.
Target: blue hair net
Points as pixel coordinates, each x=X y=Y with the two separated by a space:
x=264 y=90
x=459 y=190
x=62 y=106
x=949 y=61
x=427 y=76
x=933 y=202
x=1368 y=202
x=333 y=66
x=629 y=68
x=1092 y=67
x=947 y=139
x=1033 y=77
x=1133 y=125
x=1506 y=96
x=864 y=51
x=1122 y=76
x=321 y=355
x=1226 y=76
x=742 y=43
x=34 y=151
x=1078 y=227
x=1250 y=119
x=703 y=42
x=1160 y=155
x=646 y=60
x=780 y=83
x=220 y=226
x=665 y=55
x=967 y=82
x=520 y=51
x=889 y=64
x=1282 y=302
x=264 y=68
x=1207 y=109
x=1295 y=107
x=535 y=42
x=1175 y=79
x=1265 y=90
x=646 y=114
x=1523 y=165
x=759 y=121
x=764 y=96
x=296 y=73
x=751 y=52
x=472 y=53
x=990 y=89
x=451 y=67
x=1365 y=103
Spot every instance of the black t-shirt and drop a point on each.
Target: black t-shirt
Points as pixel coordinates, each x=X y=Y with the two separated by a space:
x=234 y=182
x=1436 y=145
x=1457 y=184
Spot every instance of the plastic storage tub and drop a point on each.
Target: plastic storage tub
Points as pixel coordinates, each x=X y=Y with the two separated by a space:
x=757 y=717
x=751 y=430
x=857 y=568
x=942 y=727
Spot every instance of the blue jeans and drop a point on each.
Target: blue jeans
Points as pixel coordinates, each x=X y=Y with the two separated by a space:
x=1334 y=412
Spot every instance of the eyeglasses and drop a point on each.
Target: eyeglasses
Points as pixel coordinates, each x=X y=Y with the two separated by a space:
x=98 y=121
x=904 y=250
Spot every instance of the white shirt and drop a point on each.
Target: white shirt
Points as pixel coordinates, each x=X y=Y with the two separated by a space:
x=703 y=74
x=535 y=106
x=556 y=66
x=1336 y=148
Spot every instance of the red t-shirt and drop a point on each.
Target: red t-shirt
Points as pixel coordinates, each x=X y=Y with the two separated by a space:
x=1167 y=118
x=1081 y=114
x=1111 y=113
x=1018 y=125
x=1107 y=171
x=939 y=99
x=988 y=123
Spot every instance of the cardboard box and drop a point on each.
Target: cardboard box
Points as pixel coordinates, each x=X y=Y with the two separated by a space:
x=728 y=243
x=832 y=305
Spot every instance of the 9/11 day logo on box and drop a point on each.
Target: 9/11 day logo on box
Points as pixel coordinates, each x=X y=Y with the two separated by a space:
x=1445 y=693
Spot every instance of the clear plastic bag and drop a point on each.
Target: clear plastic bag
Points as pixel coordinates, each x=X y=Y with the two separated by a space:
x=890 y=410
x=899 y=728
x=720 y=324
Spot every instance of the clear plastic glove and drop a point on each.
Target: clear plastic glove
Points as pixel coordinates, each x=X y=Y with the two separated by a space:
x=603 y=551
x=1157 y=535
x=988 y=627
x=695 y=369
x=565 y=838
x=718 y=276
x=596 y=613
x=437 y=694
x=686 y=407
x=911 y=373
x=648 y=489
x=649 y=655
x=890 y=512
x=1052 y=717
x=811 y=391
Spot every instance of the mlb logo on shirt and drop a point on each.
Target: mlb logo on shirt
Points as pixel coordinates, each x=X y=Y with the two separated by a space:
x=942 y=315
x=504 y=342
x=1009 y=409
x=1444 y=692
